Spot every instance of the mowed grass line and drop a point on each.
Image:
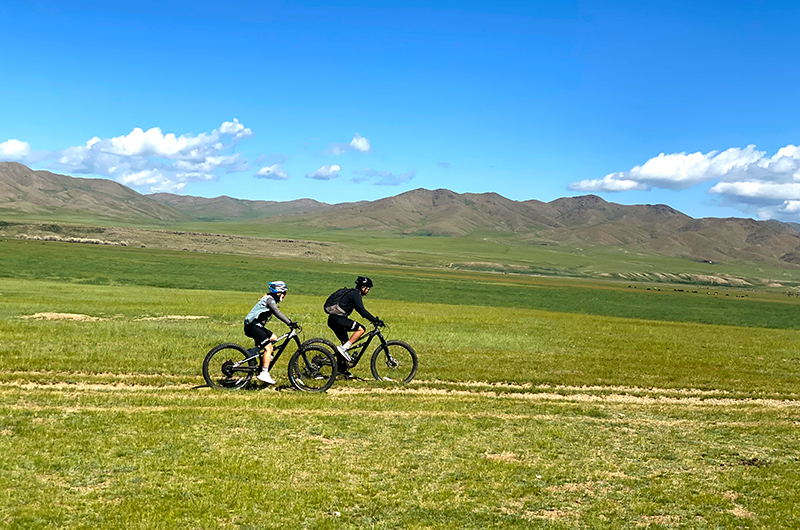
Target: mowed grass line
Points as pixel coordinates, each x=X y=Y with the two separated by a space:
x=164 y=458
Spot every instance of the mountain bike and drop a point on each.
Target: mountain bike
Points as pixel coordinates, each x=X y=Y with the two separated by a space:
x=392 y=360
x=230 y=366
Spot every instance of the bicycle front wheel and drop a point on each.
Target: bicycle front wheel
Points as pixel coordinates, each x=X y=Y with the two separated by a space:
x=312 y=369
x=394 y=361
x=322 y=341
x=227 y=367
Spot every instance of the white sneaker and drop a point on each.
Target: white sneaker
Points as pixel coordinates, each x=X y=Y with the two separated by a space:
x=344 y=354
x=265 y=377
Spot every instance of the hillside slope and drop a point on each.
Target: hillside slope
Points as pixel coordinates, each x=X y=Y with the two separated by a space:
x=570 y=222
x=42 y=193
x=228 y=208
x=424 y=212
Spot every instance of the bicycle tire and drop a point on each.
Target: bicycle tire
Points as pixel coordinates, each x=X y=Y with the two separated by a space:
x=399 y=362
x=218 y=367
x=333 y=347
x=312 y=369
x=319 y=340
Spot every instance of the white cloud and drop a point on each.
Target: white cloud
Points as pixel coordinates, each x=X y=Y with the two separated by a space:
x=152 y=161
x=14 y=151
x=382 y=178
x=608 y=183
x=676 y=171
x=745 y=178
x=360 y=143
x=185 y=147
x=755 y=190
x=273 y=172
x=328 y=172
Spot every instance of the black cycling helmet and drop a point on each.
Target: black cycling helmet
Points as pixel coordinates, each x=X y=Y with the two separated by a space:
x=363 y=281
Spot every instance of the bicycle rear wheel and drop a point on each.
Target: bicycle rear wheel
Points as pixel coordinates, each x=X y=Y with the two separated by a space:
x=227 y=367
x=312 y=369
x=395 y=361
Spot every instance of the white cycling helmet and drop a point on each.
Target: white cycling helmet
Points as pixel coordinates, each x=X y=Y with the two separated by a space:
x=277 y=287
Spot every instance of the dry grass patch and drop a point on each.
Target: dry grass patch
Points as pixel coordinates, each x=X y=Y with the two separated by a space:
x=586 y=488
x=62 y=316
x=174 y=317
x=505 y=456
x=738 y=511
x=661 y=520
x=551 y=514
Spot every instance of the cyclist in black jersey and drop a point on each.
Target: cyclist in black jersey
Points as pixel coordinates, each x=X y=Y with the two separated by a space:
x=342 y=325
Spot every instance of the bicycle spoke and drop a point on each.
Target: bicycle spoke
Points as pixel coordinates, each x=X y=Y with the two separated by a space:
x=228 y=367
x=395 y=361
x=312 y=369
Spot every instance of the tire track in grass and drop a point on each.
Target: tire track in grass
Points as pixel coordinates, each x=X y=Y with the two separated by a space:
x=420 y=385
x=577 y=397
x=316 y=412
x=582 y=388
x=696 y=398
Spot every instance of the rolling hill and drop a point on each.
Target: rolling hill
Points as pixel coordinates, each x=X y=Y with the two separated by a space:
x=41 y=193
x=572 y=221
x=227 y=208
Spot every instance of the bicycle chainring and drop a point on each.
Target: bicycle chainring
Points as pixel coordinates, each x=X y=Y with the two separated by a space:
x=227 y=368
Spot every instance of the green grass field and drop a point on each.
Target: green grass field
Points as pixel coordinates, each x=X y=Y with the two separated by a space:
x=539 y=402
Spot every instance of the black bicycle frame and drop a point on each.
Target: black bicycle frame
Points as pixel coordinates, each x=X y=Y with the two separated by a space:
x=243 y=365
x=362 y=348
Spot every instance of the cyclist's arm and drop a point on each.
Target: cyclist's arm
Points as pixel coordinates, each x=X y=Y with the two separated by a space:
x=358 y=305
x=277 y=312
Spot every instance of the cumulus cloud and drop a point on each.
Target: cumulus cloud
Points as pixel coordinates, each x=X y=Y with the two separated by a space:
x=328 y=172
x=608 y=183
x=150 y=160
x=14 y=151
x=273 y=172
x=745 y=178
x=676 y=171
x=382 y=178
x=358 y=143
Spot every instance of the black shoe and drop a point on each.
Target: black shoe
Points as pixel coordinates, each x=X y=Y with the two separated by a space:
x=347 y=375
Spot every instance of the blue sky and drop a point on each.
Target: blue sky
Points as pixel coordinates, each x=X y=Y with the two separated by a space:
x=695 y=105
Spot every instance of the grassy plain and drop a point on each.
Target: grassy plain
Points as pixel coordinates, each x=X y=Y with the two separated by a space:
x=505 y=251
x=540 y=402
x=480 y=251
x=101 y=265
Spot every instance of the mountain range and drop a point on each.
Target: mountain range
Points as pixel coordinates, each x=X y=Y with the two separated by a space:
x=573 y=221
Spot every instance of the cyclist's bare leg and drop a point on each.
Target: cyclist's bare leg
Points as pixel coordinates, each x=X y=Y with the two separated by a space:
x=267 y=357
x=357 y=334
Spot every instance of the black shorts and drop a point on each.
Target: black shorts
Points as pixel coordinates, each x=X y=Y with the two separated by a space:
x=341 y=326
x=258 y=333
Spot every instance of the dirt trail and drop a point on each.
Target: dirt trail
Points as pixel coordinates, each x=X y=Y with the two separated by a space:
x=576 y=397
x=466 y=389
x=87 y=318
